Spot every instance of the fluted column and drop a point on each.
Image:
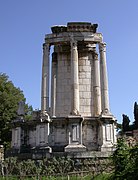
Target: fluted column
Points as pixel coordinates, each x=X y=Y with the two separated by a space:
x=97 y=89
x=45 y=79
x=104 y=79
x=53 y=83
x=74 y=78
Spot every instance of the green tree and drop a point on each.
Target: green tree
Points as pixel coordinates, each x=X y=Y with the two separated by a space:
x=133 y=171
x=119 y=127
x=125 y=161
x=10 y=96
x=125 y=123
x=136 y=115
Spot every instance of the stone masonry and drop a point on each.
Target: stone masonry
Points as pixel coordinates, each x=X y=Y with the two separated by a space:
x=75 y=114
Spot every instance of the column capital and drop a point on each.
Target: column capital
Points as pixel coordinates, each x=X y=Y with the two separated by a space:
x=46 y=47
x=102 y=47
x=73 y=44
x=95 y=55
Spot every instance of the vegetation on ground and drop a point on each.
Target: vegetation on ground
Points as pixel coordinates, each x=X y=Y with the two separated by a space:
x=54 y=167
x=122 y=165
x=125 y=161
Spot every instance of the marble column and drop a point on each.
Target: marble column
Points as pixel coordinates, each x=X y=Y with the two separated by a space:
x=96 y=86
x=53 y=83
x=45 y=79
x=104 y=79
x=74 y=79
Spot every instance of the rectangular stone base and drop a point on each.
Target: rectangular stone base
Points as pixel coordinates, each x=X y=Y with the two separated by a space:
x=107 y=149
x=46 y=149
x=75 y=148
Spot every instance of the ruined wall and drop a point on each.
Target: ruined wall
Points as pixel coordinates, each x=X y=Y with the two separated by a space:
x=63 y=90
x=62 y=69
x=86 y=83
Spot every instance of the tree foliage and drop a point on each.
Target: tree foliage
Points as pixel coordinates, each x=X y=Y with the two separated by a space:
x=10 y=96
x=136 y=115
x=125 y=161
x=126 y=120
x=125 y=123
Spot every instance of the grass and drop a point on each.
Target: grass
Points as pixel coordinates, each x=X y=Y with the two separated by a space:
x=104 y=176
x=88 y=177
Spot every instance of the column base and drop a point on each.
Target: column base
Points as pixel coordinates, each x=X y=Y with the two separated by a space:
x=107 y=148
x=107 y=115
x=75 y=148
x=41 y=152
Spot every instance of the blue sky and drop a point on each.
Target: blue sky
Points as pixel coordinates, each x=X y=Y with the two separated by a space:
x=24 y=23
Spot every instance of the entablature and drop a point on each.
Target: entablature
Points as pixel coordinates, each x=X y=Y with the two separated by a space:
x=89 y=37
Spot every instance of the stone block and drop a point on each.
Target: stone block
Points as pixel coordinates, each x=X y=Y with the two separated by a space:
x=82 y=75
x=81 y=69
x=60 y=76
x=75 y=148
x=60 y=63
x=63 y=69
x=64 y=82
x=87 y=109
x=66 y=102
x=66 y=107
x=86 y=95
x=88 y=75
x=81 y=108
x=88 y=68
x=86 y=114
x=82 y=62
x=88 y=62
x=67 y=89
x=82 y=88
x=86 y=81
x=68 y=69
x=88 y=87
x=68 y=75
x=81 y=94
x=80 y=81
x=88 y=102
x=82 y=102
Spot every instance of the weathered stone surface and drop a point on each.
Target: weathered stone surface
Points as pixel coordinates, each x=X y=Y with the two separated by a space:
x=76 y=100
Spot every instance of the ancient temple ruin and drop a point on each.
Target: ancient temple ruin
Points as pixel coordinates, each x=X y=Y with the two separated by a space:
x=75 y=114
